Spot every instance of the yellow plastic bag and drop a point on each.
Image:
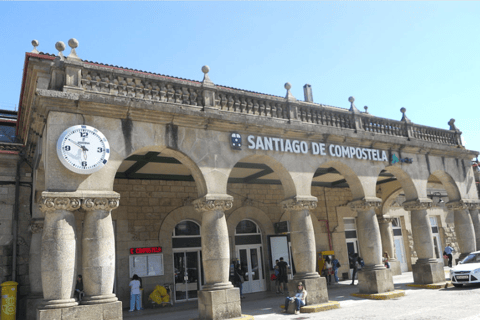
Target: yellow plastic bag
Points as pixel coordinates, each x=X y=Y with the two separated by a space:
x=159 y=295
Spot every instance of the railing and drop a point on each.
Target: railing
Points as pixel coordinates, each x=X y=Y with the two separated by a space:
x=139 y=85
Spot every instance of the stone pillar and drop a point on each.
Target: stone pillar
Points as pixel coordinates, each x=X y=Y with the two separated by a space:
x=302 y=236
x=98 y=249
x=35 y=298
x=464 y=229
x=58 y=249
x=474 y=214
x=374 y=277
x=427 y=269
x=388 y=245
x=218 y=299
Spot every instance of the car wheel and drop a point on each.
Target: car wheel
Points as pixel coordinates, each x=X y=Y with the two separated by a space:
x=457 y=285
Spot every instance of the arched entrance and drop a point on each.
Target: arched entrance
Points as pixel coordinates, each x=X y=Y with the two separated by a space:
x=187 y=261
x=249 y=250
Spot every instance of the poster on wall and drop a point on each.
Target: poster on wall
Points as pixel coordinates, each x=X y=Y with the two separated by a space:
x=278 y=246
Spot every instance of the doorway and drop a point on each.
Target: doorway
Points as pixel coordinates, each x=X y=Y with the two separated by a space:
x=187 y=268
x=251 y=260
x=398 y=241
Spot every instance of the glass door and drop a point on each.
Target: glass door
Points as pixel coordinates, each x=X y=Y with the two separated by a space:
x=187 y=275
x=251 y=260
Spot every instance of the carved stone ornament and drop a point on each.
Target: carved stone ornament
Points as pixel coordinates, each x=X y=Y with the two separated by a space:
x=473 y=205
x=296 y=205
x=365 y=204
x=418 y=204
x=50 y=204
x=203 y=205
x=457 y=205
x=36 y=226
x=100 y=203
x=383 y=219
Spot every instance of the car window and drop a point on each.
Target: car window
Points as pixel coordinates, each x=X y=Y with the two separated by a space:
x=472 y=258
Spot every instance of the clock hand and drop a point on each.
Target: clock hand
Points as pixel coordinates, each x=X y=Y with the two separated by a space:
x=76 y=144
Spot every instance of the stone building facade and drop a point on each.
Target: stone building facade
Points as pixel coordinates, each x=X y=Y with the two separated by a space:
x=200 y=174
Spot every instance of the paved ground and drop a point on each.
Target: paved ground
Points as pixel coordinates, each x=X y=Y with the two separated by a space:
x=451 y=303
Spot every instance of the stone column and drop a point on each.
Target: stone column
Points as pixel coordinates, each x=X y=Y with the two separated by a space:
x=58 y=249
x=388 y=245
x=427 y=269
x=218 y=299
x=464 y=229
x=474 y=214
x=98 y=249
x=302 y=236
x=35 y=298
x=374 y=277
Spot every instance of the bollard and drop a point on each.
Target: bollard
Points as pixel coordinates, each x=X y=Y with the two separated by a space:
x=9 y=300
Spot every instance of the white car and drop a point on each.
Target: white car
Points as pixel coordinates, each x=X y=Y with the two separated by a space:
x=467 y=271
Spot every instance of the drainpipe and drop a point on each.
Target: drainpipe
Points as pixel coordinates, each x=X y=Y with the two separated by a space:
x=15 y=217
x=328 y=232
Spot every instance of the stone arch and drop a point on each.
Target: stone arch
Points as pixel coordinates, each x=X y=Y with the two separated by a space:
x=408 y=186
x=288 y=184
x=354 y=182
x=165 y=235
x=449 y=184
x=250 y=213
x=183 y=158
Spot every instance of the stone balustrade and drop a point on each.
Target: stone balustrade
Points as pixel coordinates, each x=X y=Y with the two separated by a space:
x=114 y=81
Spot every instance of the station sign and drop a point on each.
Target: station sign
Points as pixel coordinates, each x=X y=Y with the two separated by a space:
x=146 y=250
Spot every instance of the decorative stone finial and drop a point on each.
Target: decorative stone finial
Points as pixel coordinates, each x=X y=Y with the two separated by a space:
x=352 y=105
x=73 y=43
x=289 y=95
x=404 y=116
x=206 y=78
x=35 y=44
x=60 y=46
x=451 y=123
x=366 y=109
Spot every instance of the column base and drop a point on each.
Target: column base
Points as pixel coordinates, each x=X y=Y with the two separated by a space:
x=106 y=298
x=219 y=304
x=218 y=286
x=107 y=311
x=316 y=289
x=427 y=273
x=56 y=304
x=375 y=281
x=395 y=267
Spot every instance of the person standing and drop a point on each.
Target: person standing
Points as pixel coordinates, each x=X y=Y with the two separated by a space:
x=282 y=274
x=448 y=252
x=355 y=261
x=336 y=266
x=135 y=293
x=328 y=266
x=276 y=271
x=239 y=278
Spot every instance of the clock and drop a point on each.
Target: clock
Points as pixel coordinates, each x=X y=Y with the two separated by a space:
x=83 y=149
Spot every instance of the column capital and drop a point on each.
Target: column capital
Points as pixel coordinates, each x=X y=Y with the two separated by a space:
x=36 y=226
x=49 y=204
x=110 y=203
x=221 y=202
x=418 y=204
x=384 y=219
x=300 y=203
x=365 y=203
x=457 y=205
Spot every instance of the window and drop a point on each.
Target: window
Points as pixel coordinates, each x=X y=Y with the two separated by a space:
x=147 y=265
x=350 y=228
x=186 y=228
x=397 y=227
x=246 y=226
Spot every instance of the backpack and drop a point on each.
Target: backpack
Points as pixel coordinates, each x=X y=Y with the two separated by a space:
x=277 y=272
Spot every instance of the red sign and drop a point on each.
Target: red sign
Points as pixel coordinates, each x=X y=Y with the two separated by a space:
x=145 y=250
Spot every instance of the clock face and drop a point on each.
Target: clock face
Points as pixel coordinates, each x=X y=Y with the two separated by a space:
x=83 y=149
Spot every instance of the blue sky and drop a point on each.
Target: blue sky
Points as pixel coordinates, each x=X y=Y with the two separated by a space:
x=424 y=56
